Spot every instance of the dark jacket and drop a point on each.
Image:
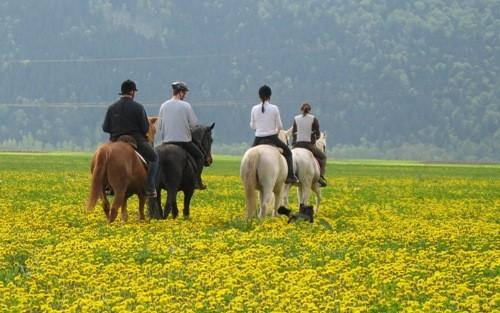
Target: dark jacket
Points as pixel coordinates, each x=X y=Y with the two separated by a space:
x=126 y=117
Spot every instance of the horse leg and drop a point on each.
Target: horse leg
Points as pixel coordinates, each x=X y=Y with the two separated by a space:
x=187 y=200
x=157 y=201
x=251 y=209
x=299 y=193
x=117 y=203
x=317 y=191
x=105 y=204
x=167 y=208
x=170 y=203
x=124 y=211
x=286 y=190
x=266 y=198
x=175 y=208
x=142 y=201
x=305 y=191
x=278 y=200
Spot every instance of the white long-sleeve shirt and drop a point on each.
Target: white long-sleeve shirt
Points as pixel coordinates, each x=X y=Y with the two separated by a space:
x=176 y=119
x=265 y=123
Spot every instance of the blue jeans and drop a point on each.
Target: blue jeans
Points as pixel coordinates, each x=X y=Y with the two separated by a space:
x=148 y=152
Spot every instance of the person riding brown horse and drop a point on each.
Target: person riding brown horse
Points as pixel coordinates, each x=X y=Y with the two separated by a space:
x=128 y=117
x=117 y=166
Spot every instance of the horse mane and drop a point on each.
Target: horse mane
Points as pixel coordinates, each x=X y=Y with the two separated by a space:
x=321 y=142
x=197 y=132
x=286 y=135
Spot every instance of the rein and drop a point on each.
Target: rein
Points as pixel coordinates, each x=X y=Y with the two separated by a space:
x=200 y=146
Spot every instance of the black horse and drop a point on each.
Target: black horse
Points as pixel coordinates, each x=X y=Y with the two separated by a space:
x=177 y=173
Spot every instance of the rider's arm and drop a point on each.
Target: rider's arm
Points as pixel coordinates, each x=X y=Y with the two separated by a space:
x=315 y=130
x=279 y=124
x=294 y=132
x=192 y=119
x=106 y=125
x=253 y=124
x=144 y=122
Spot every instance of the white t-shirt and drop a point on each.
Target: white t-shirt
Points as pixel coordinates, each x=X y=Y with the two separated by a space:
x=176 y=121
x=265 y=123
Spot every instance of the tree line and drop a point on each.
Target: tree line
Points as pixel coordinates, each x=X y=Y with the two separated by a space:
x=387 y=79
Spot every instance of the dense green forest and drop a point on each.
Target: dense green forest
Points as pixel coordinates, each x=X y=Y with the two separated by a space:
x=387 y=79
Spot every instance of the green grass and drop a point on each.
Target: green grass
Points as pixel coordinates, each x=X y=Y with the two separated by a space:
x=225 y=165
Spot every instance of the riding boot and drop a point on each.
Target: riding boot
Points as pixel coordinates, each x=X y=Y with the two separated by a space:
x=322 y=180
x=198 y=184
x=151 y=179
x=291 y=178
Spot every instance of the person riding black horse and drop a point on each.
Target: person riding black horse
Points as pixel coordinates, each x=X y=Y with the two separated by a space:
x=128 y=117
x=176 y=120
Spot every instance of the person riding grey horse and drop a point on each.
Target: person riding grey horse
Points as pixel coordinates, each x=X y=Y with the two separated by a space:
x=305 y=132
x=266 y=121
x=128 y=117
x=176 y=120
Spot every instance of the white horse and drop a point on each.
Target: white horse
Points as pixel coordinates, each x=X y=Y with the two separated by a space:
x=263 y=169
x=306 y=168
x=321 y=142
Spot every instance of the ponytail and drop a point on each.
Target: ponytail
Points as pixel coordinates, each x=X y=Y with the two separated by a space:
x=305 y=108
x=264 y=94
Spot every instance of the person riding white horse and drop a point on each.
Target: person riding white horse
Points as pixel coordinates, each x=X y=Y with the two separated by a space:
x=305 y=132
x=266 y=121
x=263 y=167
x=308 y=172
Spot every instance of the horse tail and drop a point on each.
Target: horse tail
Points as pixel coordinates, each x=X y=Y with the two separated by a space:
x=248 y=174
x=98 y=168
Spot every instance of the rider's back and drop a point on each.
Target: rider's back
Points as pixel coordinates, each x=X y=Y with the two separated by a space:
x=176 y=120
x=126 y=117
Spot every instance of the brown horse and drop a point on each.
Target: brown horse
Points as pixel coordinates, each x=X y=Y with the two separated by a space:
x=115 y=164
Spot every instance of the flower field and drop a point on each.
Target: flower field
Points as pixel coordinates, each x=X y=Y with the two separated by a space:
x=389 y=237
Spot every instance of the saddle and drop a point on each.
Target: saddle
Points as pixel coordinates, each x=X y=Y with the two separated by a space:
x=270 y=143
x=191 y=161
x=314 y=157
x=133 y=143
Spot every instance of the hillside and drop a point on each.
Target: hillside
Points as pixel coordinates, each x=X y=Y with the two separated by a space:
x=388 y=79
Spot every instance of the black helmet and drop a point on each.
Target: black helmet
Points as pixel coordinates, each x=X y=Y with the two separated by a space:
x=179 y=86
x=128 y=86
x=265 y=92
